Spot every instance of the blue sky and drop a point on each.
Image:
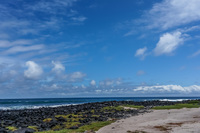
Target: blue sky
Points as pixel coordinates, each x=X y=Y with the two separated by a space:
x=95 y=48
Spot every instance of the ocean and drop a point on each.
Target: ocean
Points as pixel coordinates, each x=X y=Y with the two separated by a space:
x=11 y=104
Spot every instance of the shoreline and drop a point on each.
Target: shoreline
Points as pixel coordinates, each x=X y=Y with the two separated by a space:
x=72 y=116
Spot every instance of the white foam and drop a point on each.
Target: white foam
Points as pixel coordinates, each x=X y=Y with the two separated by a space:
x=173 y=100
x=33 y=107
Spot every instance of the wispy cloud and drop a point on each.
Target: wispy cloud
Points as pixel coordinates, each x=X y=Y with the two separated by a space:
x=171 y=13
x=195 y=54
x=80 y=18
x=7 y=43
x=37 y=16
x=19 y=49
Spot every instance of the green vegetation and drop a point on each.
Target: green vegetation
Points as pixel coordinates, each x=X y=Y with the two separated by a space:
x=33 y=127
x=95 y=115
x=57 y=127
x=194 y=102
x=112 y=108
x=71 y=117
x=133 y=106
x=91 y=127
x=47 y=120
x=11 y=128
x=178 y=106
x=94 y=126
x=92 y=111
x=71 y=124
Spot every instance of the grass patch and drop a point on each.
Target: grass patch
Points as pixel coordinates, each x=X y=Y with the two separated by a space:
x=133 y=106
x=194 y=102
x=94 y=126
x=33 y=127
x=47 y=120
x=57 y=127
x=71 y=124
x=112 y=108
x=95 y=115
x=11 y=128
x=92 y=111
x=71 y=117
x=177 y=106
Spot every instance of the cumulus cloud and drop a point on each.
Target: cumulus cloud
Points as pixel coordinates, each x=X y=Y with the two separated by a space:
x=34 y=70
x=168 y=43
x=58 y=67
x=141 y=53
x=167 y=89
x=171 y=13
x=93 y=83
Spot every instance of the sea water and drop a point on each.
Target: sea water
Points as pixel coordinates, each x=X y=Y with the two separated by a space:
x=10 y=104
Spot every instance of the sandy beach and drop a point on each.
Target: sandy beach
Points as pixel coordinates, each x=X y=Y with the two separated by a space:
x=158 y=121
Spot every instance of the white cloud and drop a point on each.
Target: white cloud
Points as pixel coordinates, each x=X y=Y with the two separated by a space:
x=171 y=13
x=141 y=53
x=18 y=49
x=80 y=18
x=58 y=67
x=76 y=76
x=167 y=89
x=6 y=43
x=110 y=83
x=168 y=43
x=93 y=83
x=33 y=71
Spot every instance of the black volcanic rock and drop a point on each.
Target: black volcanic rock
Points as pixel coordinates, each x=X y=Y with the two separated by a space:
x=24 y=130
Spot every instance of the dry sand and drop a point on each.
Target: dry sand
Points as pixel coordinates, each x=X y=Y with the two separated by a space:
x=159 y=121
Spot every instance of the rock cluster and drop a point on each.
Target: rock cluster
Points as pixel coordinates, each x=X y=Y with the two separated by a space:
x=56 y=117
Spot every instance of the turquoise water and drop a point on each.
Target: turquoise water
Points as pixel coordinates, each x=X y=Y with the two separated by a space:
x=54 y=102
